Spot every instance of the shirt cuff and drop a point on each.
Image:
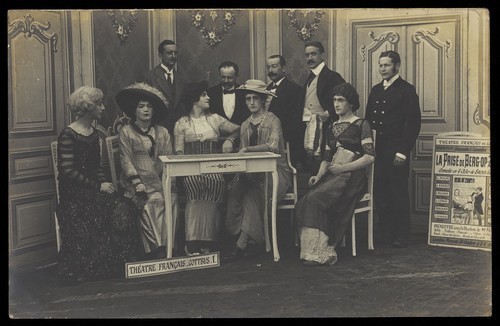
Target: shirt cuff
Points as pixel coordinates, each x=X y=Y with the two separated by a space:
x=401 y=156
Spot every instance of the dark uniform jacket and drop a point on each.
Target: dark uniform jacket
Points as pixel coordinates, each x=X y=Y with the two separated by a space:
x=241 y=111
x=395 y=114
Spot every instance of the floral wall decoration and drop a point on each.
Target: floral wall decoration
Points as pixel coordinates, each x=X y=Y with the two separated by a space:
x=305 y=29
x=123 y=22
x=206 y=22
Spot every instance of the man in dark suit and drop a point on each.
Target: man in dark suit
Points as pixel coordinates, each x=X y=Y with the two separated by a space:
x=317 y=104
x=224 y=100
x=287 y=105
x=478 y=205
x=167 y=79
x=393 y=110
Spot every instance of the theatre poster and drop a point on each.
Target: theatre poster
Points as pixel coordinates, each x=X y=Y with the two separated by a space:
x=460 y=206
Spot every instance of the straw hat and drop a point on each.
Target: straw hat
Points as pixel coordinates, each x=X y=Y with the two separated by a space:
x=128 y=98
x=255 y=85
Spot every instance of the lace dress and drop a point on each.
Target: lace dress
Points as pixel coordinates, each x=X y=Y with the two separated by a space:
x=99 y=231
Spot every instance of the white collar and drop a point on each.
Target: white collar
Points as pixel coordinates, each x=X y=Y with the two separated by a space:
x=389 y=82
x=166 y=68
x=318 y=69
x=279 y=81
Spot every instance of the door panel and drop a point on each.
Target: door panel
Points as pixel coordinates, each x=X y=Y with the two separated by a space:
x=37 y=56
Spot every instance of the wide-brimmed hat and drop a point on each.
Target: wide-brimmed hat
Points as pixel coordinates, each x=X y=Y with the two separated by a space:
x=128 y=98
x=255 y=85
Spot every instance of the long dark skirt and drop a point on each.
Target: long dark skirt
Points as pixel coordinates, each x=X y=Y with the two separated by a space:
x=329 y=205
x=99 y=235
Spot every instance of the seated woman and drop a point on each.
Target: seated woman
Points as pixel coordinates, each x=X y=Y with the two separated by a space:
x=325 y=210
x=261 y=132
x=98 y=226
x=141 y=143
x=198 y=132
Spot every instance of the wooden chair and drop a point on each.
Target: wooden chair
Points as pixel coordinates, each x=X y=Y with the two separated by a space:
x=53 y=148
x=286 y=203
x=365 y=204
x=113 y=153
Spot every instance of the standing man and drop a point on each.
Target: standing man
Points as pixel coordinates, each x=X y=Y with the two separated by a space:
x=167 y=79
x=478 y=205
x=317 y=103
x=287 y=105
x=224 y=100
x=393 y=110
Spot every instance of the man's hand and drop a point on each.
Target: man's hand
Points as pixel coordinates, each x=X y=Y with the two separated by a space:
x=107 y=187
x=324 y=115
x=227 y=146
x=398 y=161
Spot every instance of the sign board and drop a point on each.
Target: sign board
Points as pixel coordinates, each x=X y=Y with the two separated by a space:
x=460 y=206
x=172 y=265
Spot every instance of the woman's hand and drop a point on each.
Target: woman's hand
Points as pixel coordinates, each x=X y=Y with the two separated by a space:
x=140 y=188
x=243 y=150
x=107 y=187
x=313 y=180
x=336 y=169
x=227 y=146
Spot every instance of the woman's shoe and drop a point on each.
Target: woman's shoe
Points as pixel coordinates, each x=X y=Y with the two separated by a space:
x=190 y=253
x=235 y=254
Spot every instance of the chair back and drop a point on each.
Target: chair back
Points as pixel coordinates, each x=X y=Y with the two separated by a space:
x=113 y=153
x=53 y=150
x=291 y=197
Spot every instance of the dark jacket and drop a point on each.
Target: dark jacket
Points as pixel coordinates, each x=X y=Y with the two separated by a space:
x=241 y=112
x=156 y=78
x=287 y=107
x=395 y=114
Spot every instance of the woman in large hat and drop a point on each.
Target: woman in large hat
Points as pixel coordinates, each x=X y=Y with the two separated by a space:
x=326 y=209
x=200 y=132
x=261 y=132
x=141 y=143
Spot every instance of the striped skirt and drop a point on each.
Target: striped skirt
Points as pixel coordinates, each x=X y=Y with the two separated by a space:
x=210 y=187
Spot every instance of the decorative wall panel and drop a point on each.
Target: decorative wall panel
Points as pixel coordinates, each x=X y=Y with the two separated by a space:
x=198 y=61
x=30 y=164
x=119 y=64
x=33 y=220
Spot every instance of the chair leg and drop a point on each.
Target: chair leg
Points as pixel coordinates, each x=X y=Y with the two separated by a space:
x=342 y=244
x=353 y=231
x=370 y=230
x=58 y=235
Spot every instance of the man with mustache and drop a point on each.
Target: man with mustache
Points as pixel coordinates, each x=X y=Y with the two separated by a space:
x=286 y=106
x=224 y=100
x=167 y=80
x=318 y=104
x=393 y=110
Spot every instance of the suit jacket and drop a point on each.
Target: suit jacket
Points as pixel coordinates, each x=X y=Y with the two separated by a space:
x=241 y=111
x=395 y=114
x=156 y=78
x=287 y=107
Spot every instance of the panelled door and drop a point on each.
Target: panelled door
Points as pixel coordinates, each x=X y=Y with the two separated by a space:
x=37 y=90
x=430 y=49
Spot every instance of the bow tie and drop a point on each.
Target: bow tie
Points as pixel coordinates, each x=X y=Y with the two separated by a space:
x=231 y=91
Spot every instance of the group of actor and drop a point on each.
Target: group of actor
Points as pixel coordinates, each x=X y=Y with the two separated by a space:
x=102 y=227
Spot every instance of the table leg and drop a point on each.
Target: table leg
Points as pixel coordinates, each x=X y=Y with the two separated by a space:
x=167 y=192
x=273 y=221
x=266 y=213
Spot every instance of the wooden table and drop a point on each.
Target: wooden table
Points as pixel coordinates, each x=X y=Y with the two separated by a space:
x=186 y=165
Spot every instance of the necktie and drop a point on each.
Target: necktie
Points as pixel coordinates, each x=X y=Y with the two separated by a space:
x=230 y=91
x=317 y=134
x=273 y=86
x=169 y=78
x=310 y=78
